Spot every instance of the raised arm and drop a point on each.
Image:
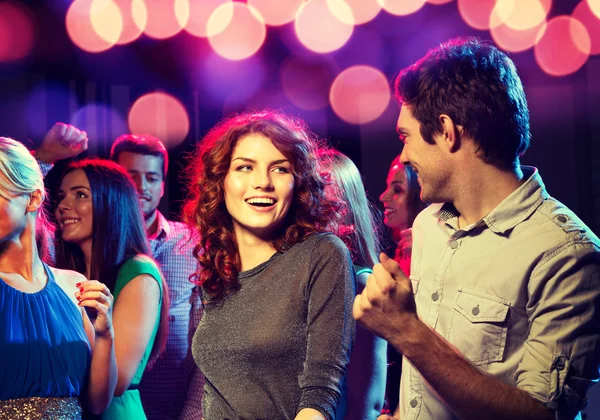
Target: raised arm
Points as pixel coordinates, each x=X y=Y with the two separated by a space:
x=564 y=322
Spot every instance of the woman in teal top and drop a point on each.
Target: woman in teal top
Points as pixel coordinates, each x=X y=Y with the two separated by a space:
x=53 y=359
x=365 y=381
x=101 y=234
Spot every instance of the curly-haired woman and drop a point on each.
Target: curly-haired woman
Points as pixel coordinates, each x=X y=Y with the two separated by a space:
x=277 y=329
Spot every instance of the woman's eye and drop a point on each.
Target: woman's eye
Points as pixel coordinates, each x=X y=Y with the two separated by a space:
x=81 y=195
x=282 y=170
x=243 y=168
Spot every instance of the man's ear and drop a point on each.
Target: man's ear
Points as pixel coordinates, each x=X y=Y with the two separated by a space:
x=35 y=201
x=451 y=133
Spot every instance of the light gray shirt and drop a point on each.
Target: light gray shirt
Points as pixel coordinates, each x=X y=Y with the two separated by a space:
x=517 y=293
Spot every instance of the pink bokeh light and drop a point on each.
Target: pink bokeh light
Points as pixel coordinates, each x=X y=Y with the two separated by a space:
x=570 y=37
x=359 y=94
x=237 y=31
x=161 y=115
x=17 y=35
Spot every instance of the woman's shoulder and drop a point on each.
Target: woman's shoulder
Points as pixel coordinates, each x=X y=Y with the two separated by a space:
x=67 y=280
x=139 y=262
x=324 y=241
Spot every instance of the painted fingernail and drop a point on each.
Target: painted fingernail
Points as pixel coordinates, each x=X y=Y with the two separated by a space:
x=77 y=284
x=81 y=289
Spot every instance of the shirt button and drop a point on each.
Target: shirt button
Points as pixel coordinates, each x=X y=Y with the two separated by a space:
x=413 y=402
x=435 y=296
x=475 y=310
x=562 y=218
x=560 y=364
x=454 y=244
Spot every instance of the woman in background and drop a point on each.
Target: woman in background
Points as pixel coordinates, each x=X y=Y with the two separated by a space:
x=365 y=382
x=277 y=327
x=101 y=235
x=53 y=359
x=401 y=204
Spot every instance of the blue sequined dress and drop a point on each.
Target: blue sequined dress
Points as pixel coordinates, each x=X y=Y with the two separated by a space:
x=44 y=350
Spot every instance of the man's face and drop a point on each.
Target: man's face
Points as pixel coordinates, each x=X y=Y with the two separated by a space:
x=147 y=174
x=428 y=160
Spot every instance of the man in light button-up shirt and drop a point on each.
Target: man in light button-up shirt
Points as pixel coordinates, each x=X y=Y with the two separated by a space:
x=501 y=315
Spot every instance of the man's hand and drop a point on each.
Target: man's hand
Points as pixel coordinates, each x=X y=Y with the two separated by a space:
x=63 y=141
x=386 y=306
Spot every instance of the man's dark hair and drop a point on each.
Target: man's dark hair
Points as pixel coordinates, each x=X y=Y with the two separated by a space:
x=478 y=87
x=143 y=145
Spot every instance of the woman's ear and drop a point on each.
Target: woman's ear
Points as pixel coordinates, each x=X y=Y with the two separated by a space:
x=35 y=201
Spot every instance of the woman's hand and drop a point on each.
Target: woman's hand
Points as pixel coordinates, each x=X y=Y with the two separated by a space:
x=95 y=295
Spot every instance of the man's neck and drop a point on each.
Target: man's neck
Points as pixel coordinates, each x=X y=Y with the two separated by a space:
x=483 y=190
x=152 y=224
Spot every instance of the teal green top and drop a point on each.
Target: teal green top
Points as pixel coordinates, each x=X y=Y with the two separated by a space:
x=129 y=405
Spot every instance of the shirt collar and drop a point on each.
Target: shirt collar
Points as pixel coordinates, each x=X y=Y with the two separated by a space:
x=162 y=228
x=514 y=209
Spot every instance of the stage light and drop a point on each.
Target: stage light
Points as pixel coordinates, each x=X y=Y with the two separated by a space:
x=166 y=18
x=79 y=26
x=100 y=121
x=594 y=6
x=161 y=115
x=584 y=14
x=570 y=37
x=401 y=7
x=134 y=14
x=277 y=12
x=242 y=36
x=318 y=25
x=16 y=32
x=363 y=11
x=476 y=13
x=510 y=39
x=200 y=13
x=520 y=15
x=359 y=94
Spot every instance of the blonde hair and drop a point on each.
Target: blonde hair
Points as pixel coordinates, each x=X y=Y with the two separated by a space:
x=19 y=171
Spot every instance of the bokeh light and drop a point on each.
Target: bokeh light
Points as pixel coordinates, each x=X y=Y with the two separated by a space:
x=401 y=7
x=359 y=94
x=319 y=28
x=476 y=13
x=277 y=12
x=200 y=12
x=439 y=1
x=134 y=15
x=242 y=36
x=584 y=14
x=594 y=6
x=521 y=15
x=510 y=39
x=106 y=20
x=161 y=115
x=363 y=11
x=16 y=32
x=79 y=27
x=100 y=121
x=570 y=37
x=306 y=82
x=166 y=18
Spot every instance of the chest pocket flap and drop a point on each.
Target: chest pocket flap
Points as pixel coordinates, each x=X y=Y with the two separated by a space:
x=481 y=307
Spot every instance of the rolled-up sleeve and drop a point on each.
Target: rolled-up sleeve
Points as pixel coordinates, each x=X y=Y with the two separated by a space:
x=562 y=351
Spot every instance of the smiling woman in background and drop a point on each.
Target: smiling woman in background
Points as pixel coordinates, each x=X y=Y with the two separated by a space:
x=101 y=234
x=277 y=328
x=52 y=358
x=401 y=204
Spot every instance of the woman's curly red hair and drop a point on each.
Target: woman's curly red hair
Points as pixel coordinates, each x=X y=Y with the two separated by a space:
x=311 y=211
